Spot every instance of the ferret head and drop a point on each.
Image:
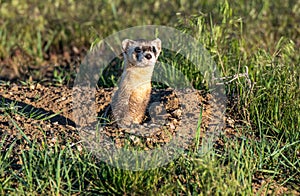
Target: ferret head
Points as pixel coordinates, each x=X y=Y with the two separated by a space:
x=141 y=53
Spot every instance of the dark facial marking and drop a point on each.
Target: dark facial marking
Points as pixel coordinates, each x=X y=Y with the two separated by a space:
x=146 y=48
x=137 y=50
x=154 y=50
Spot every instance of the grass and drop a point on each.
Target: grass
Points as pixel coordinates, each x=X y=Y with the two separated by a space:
x=66 y=171
x=262 y=35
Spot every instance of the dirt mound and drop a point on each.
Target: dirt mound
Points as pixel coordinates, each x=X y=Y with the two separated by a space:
x=45 y=114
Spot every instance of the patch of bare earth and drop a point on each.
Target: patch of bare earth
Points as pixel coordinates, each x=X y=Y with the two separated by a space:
x=44 y=114
x=263 y=186
x=41 y=111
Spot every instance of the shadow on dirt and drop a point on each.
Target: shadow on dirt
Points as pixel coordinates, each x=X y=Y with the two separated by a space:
x=28 y=109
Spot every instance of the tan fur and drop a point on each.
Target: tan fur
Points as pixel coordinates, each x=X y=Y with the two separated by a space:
x=131 y=99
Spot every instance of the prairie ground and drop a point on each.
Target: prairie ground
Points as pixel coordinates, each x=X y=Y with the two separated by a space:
x=255 y=45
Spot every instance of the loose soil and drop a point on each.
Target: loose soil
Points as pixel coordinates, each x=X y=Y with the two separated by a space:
x=43 y=112
x=46 y=112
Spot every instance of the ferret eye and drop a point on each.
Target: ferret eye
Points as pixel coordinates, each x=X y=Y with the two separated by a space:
x=154 y=49
x=137 y=50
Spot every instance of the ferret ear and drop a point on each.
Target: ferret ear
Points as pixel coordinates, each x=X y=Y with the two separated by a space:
x=157 y=43
x=126 y=43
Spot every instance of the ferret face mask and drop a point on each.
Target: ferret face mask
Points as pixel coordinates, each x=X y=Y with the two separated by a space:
x=141 y=53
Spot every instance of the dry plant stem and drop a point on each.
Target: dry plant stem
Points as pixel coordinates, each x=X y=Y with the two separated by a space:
x=235 y=77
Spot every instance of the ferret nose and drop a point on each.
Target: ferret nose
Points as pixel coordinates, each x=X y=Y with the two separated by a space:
x=148 y=56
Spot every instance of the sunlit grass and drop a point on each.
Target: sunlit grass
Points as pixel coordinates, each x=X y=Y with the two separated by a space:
x=261 y=35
